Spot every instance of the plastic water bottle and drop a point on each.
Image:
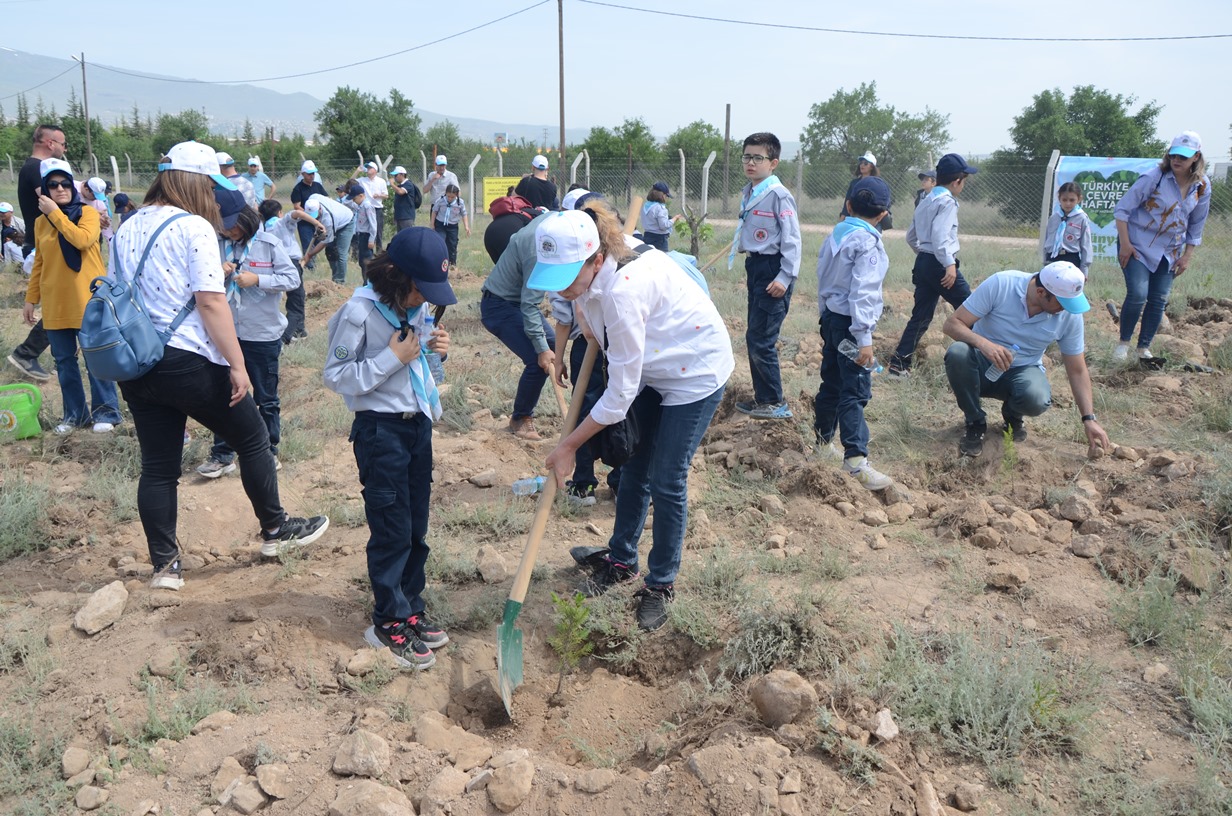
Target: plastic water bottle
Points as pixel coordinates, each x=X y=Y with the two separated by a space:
x=993 y=373
x=530 y=486
x=851 y=350
x=435 y=364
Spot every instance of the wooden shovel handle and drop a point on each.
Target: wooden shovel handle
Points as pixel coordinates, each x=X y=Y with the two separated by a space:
x=521 y=580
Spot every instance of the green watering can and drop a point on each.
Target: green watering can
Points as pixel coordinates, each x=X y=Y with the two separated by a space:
x=19 y=410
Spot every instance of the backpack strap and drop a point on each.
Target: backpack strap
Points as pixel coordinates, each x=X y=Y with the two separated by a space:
x=188 y=307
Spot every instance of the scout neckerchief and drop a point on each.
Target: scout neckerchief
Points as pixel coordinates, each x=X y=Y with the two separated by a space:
x=844 y=228
x=235 y=253
x=427 y=397
x=1059 y=240
x=755 y=196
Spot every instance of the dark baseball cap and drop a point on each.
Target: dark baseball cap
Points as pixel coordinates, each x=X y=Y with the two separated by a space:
x=230 y=204
x=421 y=255
x=952 y=163
x=662 y=187
x=876 y=188
x=932 y=174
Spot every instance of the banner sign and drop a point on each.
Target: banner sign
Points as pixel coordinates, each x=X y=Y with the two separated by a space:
x=496 y=186
x=1103 y=182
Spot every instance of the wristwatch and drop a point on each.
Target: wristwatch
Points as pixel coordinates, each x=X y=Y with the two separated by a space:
x=1088 y=418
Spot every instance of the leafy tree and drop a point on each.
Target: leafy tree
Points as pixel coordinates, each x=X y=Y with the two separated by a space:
x=696 y=139
x=840 y=129
x=356 y=121
x=23 y=112
x=1089 y=122
x=630 y=137
x=248 y=136
x=171 y=129
x=443 y=137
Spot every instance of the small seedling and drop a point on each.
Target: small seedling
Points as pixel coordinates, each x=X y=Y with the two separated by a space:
x=571 y=640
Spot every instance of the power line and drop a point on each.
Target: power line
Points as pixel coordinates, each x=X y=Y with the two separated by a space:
x=41 y=84
x=323 y=70
x=916 y=36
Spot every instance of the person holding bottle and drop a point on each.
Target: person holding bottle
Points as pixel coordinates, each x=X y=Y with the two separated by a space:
x=1007 y=323
x=850 y=269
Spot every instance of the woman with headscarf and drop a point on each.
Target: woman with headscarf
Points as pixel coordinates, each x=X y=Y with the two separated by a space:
x=66 y=261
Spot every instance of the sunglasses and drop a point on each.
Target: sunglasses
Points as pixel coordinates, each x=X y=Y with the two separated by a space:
x=63 y=185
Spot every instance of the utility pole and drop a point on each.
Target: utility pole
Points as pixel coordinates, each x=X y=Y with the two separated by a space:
x=560 y=27
x=85 y=101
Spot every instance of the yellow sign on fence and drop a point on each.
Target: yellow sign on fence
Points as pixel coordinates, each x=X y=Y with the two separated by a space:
x=496 y=186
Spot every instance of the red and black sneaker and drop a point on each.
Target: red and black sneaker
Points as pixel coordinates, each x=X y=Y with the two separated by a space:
x=432 y=635
x=408 y=650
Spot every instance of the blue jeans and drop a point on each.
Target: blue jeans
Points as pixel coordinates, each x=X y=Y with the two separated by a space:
x=504 y=320
x=295 y=308
x=766 y=316
x=339 y=250
x=104 y=404
x=659 y=469
x=1142 y=286
x=1023 y=390
x=926 y=275
x=261 y=363
x=185 y=385
x=845 y=389
x=363 y=254
x=584 y=461
x=658 y=240
x=450 y=233
x=394 y=457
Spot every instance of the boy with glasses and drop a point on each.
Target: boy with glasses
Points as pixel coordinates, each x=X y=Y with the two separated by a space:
x=769 y=231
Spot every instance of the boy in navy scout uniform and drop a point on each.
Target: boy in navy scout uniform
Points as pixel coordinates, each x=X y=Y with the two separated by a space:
x=769 y=232
x=376 y=361
x=933 y=237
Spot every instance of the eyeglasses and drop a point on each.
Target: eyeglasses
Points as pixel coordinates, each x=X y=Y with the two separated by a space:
x=57 y=141
x=748 y=158
x=64 y=185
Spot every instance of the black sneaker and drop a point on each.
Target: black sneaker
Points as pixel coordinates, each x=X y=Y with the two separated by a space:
x=433 y=636
x=1015 y=427
x=972 y=443
x=294 y=532
x=652 y=606
x=168 y=576
x=408 y=650
x=30 y=368
x=607 y=574
x=580 y=495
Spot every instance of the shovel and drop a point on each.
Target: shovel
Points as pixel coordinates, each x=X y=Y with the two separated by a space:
x=508 y=636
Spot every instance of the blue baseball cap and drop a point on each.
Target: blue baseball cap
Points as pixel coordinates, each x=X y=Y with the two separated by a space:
x=230 y=204
x=952 y=163
x=563 y=243
x=420 y=254
x=661 y=186
x=876 y=187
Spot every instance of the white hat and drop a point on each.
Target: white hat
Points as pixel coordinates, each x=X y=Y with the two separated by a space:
x=372 y=166
x=441 y=159
x=194 y=157
x=399 y=170
x=254 y=161
x=312 y=206
x=48 y=166
x=224 y=159
x=1065 y=281
x=563 y=242
x=308 y=167
x=1187 y=144
x=571 y=198
x=98 y=187
x=539 y=163
x=869 y=157
x=5 y=207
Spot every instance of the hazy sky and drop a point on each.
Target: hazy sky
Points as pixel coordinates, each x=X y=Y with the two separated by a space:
x=671 y=71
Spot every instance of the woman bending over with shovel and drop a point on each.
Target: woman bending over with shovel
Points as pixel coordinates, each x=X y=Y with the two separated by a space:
x=669 y=358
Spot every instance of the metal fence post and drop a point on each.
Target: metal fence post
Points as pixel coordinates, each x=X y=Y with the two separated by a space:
x=706 y=182
x=129 y=161
x=471 y=176
x=587 y=154
x=799 y=181
x=115 y=171
x=684 y=192
x=1046 y=205
x=574 y=166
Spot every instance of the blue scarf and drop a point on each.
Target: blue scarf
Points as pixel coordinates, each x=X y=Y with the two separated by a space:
x=755 y=196
x=231 y=251
x=1059 y=239
x=426 y=393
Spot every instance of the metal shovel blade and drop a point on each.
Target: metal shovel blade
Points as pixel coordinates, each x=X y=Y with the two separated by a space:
x=509 y=654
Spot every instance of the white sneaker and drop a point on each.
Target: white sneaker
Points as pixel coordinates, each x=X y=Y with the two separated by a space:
x=169 y=577
x=64 y=429
x=212 y=468
x=1145 y=354
x=103 y=427
x=277 y=463
x=1121 y=352
x=860 y=470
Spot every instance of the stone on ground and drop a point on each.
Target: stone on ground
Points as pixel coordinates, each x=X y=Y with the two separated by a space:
x=511 y=784
x=782 y=696
x=362 y=753
x=368 y=798
x=102 y=609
